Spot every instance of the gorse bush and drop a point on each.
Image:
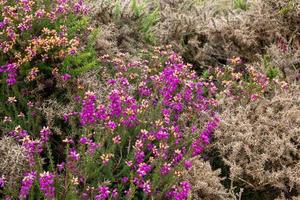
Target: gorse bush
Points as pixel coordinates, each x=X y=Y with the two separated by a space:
x=260 y=143
x=226 y=28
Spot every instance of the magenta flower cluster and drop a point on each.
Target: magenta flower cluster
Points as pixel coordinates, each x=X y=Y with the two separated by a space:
x=46 y=181
x=11 y=72
x=26 y=184
x=134 y=140
x=165 y=142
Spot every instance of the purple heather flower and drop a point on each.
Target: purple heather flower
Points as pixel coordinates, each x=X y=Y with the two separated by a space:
x=92 y=147
x=11 y=70
x=112 y=125
x=103 y=193
x=2 y=181
x=139 y=157
x=165 y=169
x=66 y=77
x=178 y=155
x=197 y=147
x=45 y=133
x=181 y=192
x=115 y=104
x=47 y=184
x=26 y=184
x=124 y=179
x=187 y=164
x=40 y=13
x=84 y=140
x=32 y=147
x=2 y=25
x=61 y=166
x=146 y=187
x=101 y=112
x=74 y=155
x=208 y=130
x=143 y=169
x=162 y=135
x=87 y=114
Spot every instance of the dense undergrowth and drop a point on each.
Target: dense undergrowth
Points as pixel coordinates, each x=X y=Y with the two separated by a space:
x=99 y=99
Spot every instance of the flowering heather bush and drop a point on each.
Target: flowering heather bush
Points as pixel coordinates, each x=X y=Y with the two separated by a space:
x=36 y=35
x=135 y=141
x=148 y=127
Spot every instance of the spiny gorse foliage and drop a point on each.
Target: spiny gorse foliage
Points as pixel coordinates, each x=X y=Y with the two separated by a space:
x=260 y=142
x=211 y=31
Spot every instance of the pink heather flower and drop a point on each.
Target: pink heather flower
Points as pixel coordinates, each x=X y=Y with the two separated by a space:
x=45 y=133
x=47 y=184
x=117 y=139
x=61 y=166
x=146 y=187
x=7 y=119
x=103 y=193
x=129 y=163
x=26 y=184
x=74 y=155
x=30 y=104
x=114 y=193
x=2 y=181
x=254 y=97
x=40 y=13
